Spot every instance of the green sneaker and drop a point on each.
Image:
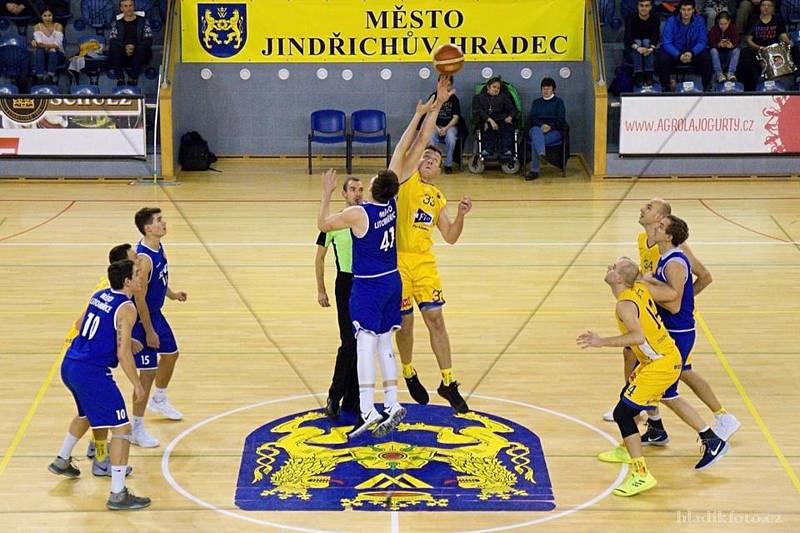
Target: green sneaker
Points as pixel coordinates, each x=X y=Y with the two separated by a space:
x=635 y=484
x=617 y=455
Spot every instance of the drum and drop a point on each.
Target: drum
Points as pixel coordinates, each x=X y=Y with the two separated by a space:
x=776 y=60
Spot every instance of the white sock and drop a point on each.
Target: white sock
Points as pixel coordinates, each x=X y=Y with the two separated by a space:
x=138 y=422
x=366 y=345
x=654 y=416
x=66 y=448
x=388 y=369
x=118 y=478
x=389 y=397
x=160 y=395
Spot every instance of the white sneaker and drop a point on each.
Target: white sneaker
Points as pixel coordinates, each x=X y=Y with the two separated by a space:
x=364 y=424
x=165 y=408
x=608 y=416
x=395 y=415
x=140 y=437
x=726 y=425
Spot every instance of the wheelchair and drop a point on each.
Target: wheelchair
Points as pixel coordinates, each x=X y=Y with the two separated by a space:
x=508 y=164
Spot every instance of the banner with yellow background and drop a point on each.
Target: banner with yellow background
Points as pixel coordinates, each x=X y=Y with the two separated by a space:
x=318 y=31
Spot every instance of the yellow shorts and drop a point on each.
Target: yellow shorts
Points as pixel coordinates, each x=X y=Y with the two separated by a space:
x=420 y=281
x=649 y=381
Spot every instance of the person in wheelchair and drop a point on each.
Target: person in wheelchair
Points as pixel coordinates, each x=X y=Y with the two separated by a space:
x=495 y=112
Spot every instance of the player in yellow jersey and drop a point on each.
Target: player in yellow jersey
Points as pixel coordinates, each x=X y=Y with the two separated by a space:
x=659 y=367
x=98 y=452
x=422 y=207
x=650 y=215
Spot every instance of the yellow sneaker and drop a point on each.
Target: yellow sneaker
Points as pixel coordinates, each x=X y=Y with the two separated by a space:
x=635 y=484
x=617 y=455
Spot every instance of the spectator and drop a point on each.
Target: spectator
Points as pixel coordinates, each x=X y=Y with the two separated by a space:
x=547 y=118
x=447 y=127
x=496 y=113
x=766 y=30
x=17 y=8
x=683 y=42
x=745 y=11
x=130 y=40
x=723 y=41
x=641 y=38
x=48 y=46
x=711 y=9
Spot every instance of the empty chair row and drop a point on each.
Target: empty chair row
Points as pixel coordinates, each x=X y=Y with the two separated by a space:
x=329 y=126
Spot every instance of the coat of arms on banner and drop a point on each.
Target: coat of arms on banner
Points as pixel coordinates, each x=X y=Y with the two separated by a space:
x=222 y=28
x=436 y=460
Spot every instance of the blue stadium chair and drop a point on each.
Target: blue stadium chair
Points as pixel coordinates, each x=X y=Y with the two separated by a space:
x=95 y=13
x=45 y=89
x=85 y=89
x=368 y=126
x=8 y=89
x=729 y=87
x=14 y=57
x=22 y=22
x=655 y=88
x=689 y=87
x=770 y=86
x=127 y=90
x=327 y=127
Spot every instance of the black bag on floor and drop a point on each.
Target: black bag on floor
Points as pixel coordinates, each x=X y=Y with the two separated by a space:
x=194 y=153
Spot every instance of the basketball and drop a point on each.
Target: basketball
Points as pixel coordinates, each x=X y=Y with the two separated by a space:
x=448 y=59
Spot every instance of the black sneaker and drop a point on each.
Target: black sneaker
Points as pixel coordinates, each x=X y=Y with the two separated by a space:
x=531 y=175
x=655 y=437
x=126 y=500
x=416 y=390
x=451 y=394
x=714 y=449
x=332 y=409
x=64 y=467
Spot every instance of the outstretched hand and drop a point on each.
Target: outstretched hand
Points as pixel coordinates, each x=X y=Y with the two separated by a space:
x=423 y=108
x=442 y=92
x=465 y=205
x=329 y=181
x=590 y=338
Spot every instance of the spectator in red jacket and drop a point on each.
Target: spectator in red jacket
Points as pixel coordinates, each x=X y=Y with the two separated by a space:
x=723 y=40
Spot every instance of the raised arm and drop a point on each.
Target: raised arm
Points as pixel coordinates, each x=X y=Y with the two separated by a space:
x=398 y=161
x=451 y=230
x=353 y=217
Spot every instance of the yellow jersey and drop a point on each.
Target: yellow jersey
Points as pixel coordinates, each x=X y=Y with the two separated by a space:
x=418 y=208
x=73 y=331
x=648 y=255
x=657 y=342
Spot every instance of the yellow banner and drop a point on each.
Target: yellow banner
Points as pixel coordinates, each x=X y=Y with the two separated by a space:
x=319 y=31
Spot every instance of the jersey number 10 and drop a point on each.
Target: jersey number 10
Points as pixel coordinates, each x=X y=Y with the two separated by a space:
x=90 y=326
x=388 y=240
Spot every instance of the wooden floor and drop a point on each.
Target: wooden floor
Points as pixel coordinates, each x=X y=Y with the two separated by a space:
x=525 y=279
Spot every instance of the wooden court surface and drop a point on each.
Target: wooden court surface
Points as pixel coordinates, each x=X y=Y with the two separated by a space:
x=525 y=279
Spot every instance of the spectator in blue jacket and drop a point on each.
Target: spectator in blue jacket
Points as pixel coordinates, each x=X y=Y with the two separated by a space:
x=683 y=42
x=547 y=118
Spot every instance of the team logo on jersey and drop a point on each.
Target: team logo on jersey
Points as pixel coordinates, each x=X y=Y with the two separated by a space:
x=222 y=28
x=422 y=217
x=435 y=460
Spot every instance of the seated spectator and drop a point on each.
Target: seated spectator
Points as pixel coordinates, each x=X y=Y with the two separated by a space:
x=447 y=127
x=766 y=30
x=496 y=112
x=723 y=41
x=15 y=8
x=641 y=38
x=48 y=47
x=711 y=9
x=683 y=42
x=130 y=40
x=547 y=119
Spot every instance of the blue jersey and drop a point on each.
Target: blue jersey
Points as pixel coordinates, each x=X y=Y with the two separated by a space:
x=683 y=320
x=375 y=254
x=159 y=276
x=96 y=342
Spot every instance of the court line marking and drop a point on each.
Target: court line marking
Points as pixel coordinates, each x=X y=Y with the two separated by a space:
x=748 y=402
x=186 y=494
x=746 y=228
x=23 y=426
x=775 y=220
x=310 y=244
x=40 y=224
x=316 y=200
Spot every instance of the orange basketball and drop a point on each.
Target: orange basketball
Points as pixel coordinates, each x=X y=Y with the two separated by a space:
x=448 y=59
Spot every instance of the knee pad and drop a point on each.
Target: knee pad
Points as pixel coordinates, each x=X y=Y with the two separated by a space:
x=625 y=417
x=125 y=436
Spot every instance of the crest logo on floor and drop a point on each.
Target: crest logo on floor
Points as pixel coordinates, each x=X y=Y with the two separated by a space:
x=435 y=460
x=222 y=28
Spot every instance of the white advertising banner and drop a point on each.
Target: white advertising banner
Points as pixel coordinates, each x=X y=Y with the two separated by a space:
x=72 y=126
x=655 y=125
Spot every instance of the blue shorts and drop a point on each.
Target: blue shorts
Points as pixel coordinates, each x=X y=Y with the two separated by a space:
x=95 y=392
x=375 y=303
x=685 y=342
x=147 y=358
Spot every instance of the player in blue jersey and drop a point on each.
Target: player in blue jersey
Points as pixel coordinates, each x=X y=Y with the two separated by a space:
x=673 y=291
x=103 y=342
x=376 y=293
x=160 y=353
